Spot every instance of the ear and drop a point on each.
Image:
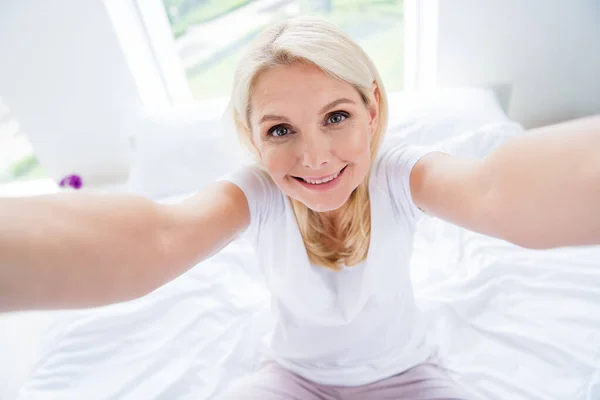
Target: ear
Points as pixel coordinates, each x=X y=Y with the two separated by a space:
x=374 y=109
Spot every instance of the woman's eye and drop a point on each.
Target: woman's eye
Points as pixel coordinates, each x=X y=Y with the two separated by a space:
x=279 y=131
x=337 y=117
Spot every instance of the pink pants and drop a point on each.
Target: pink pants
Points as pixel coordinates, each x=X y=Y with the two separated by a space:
x=426 y=381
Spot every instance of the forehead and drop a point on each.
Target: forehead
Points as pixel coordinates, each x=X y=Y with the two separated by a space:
x=283 y=88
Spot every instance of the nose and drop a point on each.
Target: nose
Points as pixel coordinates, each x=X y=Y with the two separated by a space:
x=316 y=150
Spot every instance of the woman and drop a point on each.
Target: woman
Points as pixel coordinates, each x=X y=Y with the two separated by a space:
x=331 y=212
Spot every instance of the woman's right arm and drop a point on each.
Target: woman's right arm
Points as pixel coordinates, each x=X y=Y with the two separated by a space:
x=74 y=250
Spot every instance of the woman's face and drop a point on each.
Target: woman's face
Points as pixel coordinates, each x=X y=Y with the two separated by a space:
x=312 y=132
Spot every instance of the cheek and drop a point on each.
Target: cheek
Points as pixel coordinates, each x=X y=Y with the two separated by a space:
x=353 y=145
x=277 y=160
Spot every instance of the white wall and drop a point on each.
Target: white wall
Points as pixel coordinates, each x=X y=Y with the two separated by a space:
x=65 y=78
x=548 y=51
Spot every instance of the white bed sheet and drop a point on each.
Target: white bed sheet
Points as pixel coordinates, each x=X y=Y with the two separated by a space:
x=512 y=323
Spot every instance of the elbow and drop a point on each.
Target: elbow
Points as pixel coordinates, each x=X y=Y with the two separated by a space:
x=512 y=231
x=528 y=227
x=145 y=261
x=529 y=243
x=168 y=256
x=506 y=220
x=528 y=236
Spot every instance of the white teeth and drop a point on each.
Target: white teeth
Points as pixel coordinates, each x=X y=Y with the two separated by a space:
x=321 y=181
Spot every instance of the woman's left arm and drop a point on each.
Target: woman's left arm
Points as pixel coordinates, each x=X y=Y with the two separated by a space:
x=540 y=190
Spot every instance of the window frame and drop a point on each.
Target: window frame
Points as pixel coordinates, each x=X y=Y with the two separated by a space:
x=145 y=35
x=420 y=44
x=153 y=23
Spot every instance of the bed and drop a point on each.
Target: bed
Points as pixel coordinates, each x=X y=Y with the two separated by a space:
x=511 y=323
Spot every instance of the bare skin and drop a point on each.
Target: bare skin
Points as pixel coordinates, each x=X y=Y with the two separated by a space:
x=81 y=250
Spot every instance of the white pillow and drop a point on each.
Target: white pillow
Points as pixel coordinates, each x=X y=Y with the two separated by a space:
x=184 y=149
x=178 y=151
x=430 y=117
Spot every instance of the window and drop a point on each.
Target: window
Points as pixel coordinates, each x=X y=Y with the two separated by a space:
x=17 y=160
x=210 y=35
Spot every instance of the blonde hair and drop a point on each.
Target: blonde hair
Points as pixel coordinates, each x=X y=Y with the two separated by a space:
x=314 y=41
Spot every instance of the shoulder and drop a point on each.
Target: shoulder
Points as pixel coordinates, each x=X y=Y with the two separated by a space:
x=396 y=159
x=251 y=178
x=265 y=200
x=391 y=173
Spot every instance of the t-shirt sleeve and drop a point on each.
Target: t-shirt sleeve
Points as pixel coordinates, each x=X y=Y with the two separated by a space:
x=393 y=172
x=265 y=200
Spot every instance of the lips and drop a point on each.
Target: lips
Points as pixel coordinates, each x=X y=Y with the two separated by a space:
x=322 y=180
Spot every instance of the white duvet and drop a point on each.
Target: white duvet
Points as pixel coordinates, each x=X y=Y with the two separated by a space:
x=515 y=323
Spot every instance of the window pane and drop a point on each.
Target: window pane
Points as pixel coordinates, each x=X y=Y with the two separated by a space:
x=17 y=160
x=211 y=34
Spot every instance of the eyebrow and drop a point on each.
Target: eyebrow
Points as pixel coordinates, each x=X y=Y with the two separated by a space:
x=337 y=102
x=271 y=117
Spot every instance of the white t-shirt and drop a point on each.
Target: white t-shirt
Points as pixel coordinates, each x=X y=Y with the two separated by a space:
x=361 y=324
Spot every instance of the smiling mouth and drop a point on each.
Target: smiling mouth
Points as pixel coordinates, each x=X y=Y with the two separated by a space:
x=322 y=180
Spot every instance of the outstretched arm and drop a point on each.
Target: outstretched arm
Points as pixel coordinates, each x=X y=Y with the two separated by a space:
x=540 y=190
x=73 y=250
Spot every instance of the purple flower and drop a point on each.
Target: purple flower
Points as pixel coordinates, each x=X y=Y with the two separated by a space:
x=73 y=181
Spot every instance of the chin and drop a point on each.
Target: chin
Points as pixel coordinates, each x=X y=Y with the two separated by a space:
x=323 y=207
